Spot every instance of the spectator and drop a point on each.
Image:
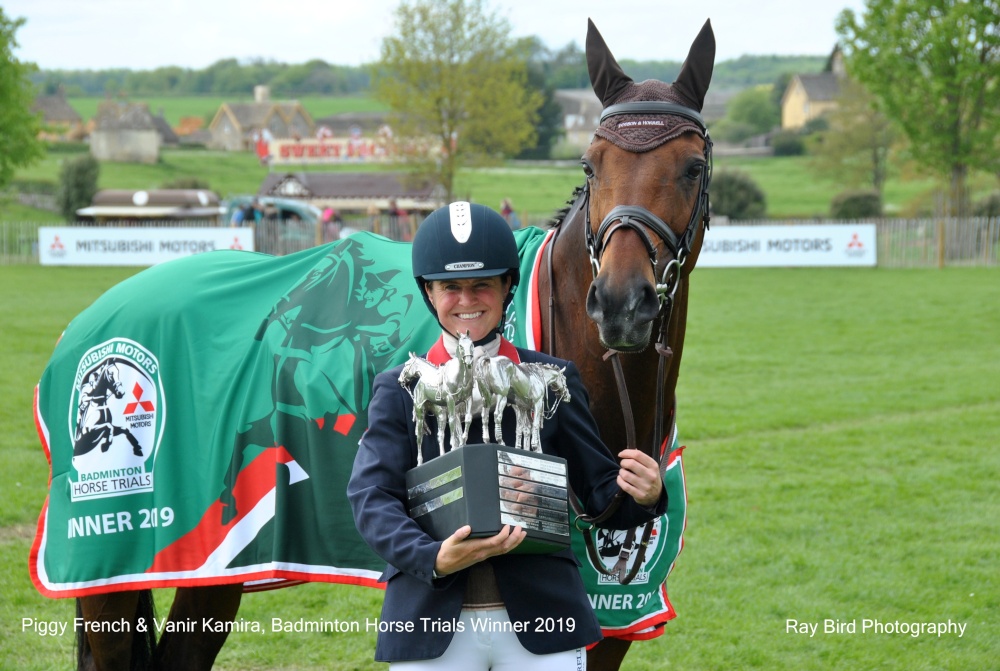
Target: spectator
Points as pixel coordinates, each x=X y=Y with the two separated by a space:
x=507 y=211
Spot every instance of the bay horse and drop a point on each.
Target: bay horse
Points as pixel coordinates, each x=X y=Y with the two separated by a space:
x=616 y=287
x=614 y=291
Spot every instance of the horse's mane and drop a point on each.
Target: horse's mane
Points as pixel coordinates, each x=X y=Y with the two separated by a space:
x=560 y=214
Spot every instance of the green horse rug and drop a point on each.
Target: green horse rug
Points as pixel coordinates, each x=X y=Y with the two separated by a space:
x=201 y=420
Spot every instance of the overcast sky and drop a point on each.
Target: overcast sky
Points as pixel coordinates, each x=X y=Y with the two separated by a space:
x=145 y=34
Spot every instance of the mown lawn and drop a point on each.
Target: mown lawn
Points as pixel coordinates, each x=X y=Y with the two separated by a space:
x=841 y=466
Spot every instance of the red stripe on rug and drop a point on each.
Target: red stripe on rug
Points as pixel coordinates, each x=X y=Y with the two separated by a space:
x=193 y=548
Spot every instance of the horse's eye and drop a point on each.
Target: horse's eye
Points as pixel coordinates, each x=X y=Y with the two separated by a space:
x=695 y=171
x=588 y=169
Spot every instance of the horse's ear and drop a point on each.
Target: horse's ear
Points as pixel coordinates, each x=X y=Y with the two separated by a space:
x=606 y=76
x=696 y=73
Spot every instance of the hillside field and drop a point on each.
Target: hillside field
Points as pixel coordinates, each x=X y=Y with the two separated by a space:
x=792 y=188
x=841 y=464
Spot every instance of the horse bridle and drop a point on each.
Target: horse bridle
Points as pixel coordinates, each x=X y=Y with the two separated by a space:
x=640 y=220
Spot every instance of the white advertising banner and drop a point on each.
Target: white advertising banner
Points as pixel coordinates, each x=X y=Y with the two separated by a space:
x=793 y=245
x=127 y=246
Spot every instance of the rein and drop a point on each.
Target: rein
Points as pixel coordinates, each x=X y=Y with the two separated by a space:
x=640 y=220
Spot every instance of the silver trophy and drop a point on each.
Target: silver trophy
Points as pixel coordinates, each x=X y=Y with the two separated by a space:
x=490 y=484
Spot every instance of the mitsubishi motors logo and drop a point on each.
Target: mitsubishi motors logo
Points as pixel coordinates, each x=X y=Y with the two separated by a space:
x=57 y=248
x=855 y=247
x=137 y=394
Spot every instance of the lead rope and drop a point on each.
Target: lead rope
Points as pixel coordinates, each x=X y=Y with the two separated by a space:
x=585 y=523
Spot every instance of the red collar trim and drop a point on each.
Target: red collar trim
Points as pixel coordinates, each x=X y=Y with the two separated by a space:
x=437 y=354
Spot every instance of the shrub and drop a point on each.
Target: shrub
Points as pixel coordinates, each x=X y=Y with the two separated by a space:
x=39 y=186
x=988 y=206
x=816 y=125
x=856 y=205
x=786 y=143
x=186 y=183
x=726 y=130
x=77 y=184
x=735 y=195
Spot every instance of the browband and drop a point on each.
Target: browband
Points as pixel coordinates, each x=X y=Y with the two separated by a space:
x=653 y=107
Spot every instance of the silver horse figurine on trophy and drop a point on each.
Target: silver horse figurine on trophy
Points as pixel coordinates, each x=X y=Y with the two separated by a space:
x=491 y=484
x=451 y=390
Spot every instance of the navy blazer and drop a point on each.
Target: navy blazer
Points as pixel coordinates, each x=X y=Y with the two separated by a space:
x=418 y=611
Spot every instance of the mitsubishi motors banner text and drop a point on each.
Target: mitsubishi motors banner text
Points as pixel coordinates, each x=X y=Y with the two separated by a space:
x=778 y=246
x=133 y=246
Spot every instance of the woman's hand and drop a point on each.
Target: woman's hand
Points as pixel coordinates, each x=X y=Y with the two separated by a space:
x=639 y=477
x=457 y=552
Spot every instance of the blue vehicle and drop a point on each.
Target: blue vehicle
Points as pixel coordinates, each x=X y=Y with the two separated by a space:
x=281 y=225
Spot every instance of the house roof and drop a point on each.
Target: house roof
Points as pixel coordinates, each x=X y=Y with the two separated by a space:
x=113 y=115
x=167 y=134
x=341 y=124
x=55 y=109
x=352 y=190
x=248 y=116
x=153 y=204
x=151 y=197
x=579 y=101
x=822 y=86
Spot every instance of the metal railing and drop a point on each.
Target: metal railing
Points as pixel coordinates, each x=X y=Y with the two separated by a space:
x=972 y=241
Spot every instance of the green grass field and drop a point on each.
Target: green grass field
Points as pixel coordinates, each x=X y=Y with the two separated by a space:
x=841 y=465
x=792 y=188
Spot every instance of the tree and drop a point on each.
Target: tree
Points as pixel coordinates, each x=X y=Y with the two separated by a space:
x=549 y=120
x=451 y=74
x=77 y=184
x=751 y=112
x=735 y=194
x=19 y=144
x=935 y=67
x=856 y=145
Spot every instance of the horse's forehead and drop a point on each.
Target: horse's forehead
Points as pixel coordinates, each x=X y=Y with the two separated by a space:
x=668 y=157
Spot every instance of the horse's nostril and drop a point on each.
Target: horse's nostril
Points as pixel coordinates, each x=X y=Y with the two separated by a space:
x=647 y=304
x=595 y=303
x=630 y=306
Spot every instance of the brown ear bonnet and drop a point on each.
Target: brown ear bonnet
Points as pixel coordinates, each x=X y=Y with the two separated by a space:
x=642 y=132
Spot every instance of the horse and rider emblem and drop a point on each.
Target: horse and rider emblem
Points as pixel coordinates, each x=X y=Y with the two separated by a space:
x=115 y=420
x=618 y=547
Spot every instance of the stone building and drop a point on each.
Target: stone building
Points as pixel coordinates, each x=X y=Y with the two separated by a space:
x=125 y=132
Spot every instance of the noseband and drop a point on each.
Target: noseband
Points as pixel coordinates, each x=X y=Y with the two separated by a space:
x=641 y=220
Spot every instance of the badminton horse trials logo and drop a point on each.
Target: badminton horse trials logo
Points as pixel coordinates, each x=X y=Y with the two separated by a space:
x=115 y=420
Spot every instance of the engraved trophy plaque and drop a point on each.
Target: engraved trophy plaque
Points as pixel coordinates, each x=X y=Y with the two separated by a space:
x=488 y=485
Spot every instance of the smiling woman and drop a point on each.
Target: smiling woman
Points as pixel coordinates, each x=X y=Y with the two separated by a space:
x=472 y=306
x=465 y=261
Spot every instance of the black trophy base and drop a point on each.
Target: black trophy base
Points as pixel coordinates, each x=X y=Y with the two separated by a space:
x=488 y=486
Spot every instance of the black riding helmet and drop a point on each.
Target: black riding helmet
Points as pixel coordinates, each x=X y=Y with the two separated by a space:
x=464 y=240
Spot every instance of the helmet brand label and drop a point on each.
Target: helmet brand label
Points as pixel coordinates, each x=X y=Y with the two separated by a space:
x=461 y=221
x=465 y=265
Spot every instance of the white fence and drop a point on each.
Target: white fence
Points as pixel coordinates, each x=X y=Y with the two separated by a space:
x=901 y=242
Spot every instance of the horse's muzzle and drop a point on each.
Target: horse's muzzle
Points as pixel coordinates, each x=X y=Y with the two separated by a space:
x=624 y=313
